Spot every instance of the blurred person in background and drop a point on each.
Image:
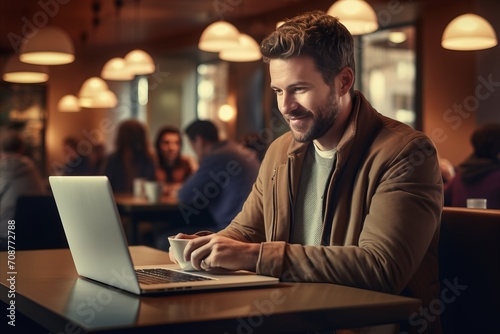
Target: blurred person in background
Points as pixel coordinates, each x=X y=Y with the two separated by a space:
x=131 y=159
x=173 y=168
x=18 y=176
x=96 y=158
x=257 y=142
x=226 y=173
x=215 y=193
x=81 y=161
x=76 y=164
x=478 y=176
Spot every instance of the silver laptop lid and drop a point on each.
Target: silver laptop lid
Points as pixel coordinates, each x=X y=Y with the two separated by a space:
x=94 y=230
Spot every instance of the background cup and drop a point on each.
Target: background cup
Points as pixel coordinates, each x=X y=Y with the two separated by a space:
x=152 y=190
x=477 y=203
x=139 y=187
x=177 y=247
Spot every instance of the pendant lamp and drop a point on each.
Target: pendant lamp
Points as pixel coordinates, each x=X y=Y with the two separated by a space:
x=105 y=99
x=95 y=93
x=49 y=46
x=116 y=69
x=247 y=50
x=469 y=32
x=356 y=15
x=68 y=103
x=218 y=36
x=139 y=62
x=19 y=72
x=397 y=37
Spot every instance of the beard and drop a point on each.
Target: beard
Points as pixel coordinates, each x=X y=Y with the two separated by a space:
x=322 y=120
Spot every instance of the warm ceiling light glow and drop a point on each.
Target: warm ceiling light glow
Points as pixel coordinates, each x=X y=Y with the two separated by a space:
x=19 y=72
x=202 y=109
x=116 y=69
x=226 y=113
x=247 y=50
x=469 y=32
x=397 y=37
x=49 y=46
x=206 y=89
x=140 y=62
x=142 y=91
x=68 y=103
x=90 y=89
x=105 y=99
x=218 y=36
x=202 y=69
x=92 y=86
x=356 y=15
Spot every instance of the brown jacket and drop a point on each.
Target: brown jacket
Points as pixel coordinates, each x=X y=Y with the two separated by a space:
x=383 y=207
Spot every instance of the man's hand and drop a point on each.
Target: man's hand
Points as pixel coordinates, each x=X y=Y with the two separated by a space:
x=215 y=251
x=179 y=236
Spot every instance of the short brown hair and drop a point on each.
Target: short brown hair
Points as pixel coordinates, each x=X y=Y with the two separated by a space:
x=315 y=34
x=486 y=141
x=205 y=129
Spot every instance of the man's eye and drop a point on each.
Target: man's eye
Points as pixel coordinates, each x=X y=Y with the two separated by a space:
x=277 y=91
x=299 y=89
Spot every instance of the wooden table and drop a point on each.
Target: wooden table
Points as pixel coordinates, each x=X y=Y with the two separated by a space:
x=49 y=291
x=139 y=209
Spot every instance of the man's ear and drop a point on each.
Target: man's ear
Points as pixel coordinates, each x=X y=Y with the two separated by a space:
x=346 y=80
x=199 y=139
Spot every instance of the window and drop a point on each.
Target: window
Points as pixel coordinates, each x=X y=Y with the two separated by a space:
x=388 y=72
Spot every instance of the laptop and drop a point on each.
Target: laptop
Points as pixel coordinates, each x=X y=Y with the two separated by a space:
x=99 y=247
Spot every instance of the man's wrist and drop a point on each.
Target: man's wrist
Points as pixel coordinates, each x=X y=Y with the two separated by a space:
x=253 y=252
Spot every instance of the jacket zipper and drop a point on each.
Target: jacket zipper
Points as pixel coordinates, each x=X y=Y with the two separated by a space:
x=290 y=197
x=273 y=224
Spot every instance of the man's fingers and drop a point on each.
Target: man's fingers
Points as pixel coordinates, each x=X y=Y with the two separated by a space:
x=198 y=256
x=194 y=244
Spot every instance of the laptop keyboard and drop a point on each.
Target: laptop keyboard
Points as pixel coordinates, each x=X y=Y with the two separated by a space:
x=159 y=276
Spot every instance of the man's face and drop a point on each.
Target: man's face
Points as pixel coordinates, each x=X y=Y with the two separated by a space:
x=307 y=103
x=170 y=145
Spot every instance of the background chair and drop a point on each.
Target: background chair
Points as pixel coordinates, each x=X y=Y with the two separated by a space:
x=469 y=255
x=38 y=225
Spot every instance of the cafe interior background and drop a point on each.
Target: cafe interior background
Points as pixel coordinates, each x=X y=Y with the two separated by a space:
x=402 y=68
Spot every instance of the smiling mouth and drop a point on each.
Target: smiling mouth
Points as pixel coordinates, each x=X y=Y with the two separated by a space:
x=297 y=117
x=299 y=122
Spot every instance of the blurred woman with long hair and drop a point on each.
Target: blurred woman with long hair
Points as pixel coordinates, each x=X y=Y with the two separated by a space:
x=132 y=157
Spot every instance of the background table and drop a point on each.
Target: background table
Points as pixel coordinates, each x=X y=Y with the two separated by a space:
x=140 y=210
x=49 y=291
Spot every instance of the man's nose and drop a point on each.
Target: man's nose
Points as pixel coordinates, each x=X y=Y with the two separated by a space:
x=288 y=103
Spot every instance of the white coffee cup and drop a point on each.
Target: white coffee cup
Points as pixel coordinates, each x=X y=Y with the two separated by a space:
x=476 y=203
x=152 y=190
x=139 y=187
x=177 y=247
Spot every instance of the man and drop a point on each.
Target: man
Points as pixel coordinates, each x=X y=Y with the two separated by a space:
x=222 y=182
x=348 y=196
x=478 y=176
x=18 y=176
